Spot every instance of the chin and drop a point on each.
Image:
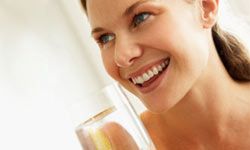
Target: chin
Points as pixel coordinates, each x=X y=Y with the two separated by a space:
x=164 y=100
x=157 y=110
x=158 y=104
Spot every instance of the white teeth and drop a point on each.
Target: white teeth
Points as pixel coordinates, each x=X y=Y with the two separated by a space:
x=134 y=81
x=140 y=80
x=166 y=62
x=145 y=77
x=163 y=65
x=159 y=68
x=150 y=73
x=155 y=70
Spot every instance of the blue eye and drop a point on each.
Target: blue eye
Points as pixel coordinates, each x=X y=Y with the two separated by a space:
x=138 y=19
x=105 y=38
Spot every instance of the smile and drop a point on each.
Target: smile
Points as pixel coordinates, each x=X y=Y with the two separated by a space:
x=150 y=75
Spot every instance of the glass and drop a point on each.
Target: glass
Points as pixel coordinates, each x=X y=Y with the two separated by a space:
x=106 y=120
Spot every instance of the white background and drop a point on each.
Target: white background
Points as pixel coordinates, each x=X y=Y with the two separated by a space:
x=47 y=62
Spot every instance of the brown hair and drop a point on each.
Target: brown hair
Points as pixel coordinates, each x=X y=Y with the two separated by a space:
x=84 y=4
x=231 y=51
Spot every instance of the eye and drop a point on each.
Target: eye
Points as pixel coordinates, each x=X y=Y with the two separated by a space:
x=139 y=18
x=105 y=38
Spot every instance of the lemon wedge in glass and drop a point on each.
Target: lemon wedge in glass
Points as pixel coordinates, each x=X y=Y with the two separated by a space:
x=100 y=140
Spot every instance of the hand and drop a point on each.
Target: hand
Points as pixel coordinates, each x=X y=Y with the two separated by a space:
x=111 y=136
x=119 y=138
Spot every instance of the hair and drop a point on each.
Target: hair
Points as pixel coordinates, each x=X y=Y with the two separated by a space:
x=232 y=52
x=84 y=5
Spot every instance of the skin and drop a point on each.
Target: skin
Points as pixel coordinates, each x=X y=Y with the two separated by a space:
x=119 y=138
x=197 y=105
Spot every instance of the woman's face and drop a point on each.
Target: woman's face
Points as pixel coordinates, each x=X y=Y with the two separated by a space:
x=157 y=49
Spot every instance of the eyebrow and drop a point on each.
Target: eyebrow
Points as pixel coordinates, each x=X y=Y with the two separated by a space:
x=127 y=12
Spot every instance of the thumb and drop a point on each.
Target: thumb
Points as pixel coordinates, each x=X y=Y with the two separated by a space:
x=119 y=138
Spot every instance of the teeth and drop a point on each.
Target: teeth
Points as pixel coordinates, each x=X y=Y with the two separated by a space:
x=166 y=62
x=140 y=80
x=134 y=81
x=146 y=77
x=155 y=70
x=163 y=65
x=150 y=73
x=159 y=68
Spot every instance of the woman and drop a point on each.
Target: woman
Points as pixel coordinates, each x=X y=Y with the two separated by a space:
x=192 y=76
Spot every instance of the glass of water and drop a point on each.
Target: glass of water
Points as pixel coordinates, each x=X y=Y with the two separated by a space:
x=105 y=120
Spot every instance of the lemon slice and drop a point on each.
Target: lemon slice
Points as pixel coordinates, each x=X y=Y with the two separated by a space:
x=100 y=140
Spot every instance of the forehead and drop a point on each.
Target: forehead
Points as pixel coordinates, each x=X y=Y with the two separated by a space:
x=106 y=12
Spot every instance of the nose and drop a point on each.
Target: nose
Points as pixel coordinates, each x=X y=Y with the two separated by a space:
x=126 y=52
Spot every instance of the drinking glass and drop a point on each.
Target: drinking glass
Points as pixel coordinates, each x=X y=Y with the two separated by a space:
x=106 y=120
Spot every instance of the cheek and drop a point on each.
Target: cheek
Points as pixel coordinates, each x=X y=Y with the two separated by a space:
x=186 y=44
x=112 y=69
x=189 y=50
x=109 y=64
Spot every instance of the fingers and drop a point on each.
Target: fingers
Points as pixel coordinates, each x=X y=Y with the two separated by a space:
x=119 y=138
x=110 y=136
x=100 y=140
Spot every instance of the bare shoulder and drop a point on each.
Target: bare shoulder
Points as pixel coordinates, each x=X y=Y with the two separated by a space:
x=163 y=136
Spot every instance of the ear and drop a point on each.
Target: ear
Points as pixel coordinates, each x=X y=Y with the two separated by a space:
x=209 y=12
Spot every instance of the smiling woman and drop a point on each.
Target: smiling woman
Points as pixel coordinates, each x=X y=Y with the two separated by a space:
x=191 y=75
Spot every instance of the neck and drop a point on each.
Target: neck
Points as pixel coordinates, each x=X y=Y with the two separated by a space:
x=214 y=106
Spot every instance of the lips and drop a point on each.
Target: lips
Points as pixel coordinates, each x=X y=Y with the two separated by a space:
x=150 y=75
